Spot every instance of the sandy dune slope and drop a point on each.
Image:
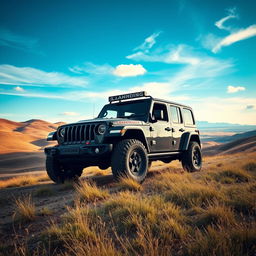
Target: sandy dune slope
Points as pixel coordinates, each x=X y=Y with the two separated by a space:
x=26 y=136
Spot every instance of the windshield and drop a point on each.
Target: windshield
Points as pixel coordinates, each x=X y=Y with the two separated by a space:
x=136 y=110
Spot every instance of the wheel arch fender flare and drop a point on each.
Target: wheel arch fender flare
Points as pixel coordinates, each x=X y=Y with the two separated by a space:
x=187 y=137
x=136 y=133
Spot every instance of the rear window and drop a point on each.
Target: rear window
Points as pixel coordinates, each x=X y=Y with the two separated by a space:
x=188 y=117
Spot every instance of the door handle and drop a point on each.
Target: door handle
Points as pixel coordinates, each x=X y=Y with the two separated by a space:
x=181 y=130
x=151 y=129
x=168 y=129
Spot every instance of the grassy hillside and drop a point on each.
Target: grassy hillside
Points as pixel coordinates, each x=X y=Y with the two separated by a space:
x=172 y=213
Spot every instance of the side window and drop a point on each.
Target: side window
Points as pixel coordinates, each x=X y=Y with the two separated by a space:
x=160 y=112
x=188 y=117
x=175 y=115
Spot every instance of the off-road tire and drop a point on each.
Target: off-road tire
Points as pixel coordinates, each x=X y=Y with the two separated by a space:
x=58 y=173
x=192 y=158
x=130 y=159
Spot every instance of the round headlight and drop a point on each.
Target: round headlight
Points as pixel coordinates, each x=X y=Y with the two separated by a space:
x=101 y=129
x=62 y=132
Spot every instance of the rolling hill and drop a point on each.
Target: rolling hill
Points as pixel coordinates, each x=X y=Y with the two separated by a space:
x=242 y=144
x=26 y=136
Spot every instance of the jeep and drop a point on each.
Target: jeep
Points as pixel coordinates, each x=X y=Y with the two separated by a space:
x=129 y=133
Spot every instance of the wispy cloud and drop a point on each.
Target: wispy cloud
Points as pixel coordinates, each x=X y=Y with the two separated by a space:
x=240 y=35
x=231 y=15
x=129 y=70
x=21 y=42
x=234 y=89
x=236 y=34
x=180 y=54
x=91 y=68
x=148 y=42
x=27 y=76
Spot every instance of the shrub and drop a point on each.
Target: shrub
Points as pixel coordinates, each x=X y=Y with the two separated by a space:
x=250 y=166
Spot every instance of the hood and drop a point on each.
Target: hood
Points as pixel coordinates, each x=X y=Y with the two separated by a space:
x=114 y=121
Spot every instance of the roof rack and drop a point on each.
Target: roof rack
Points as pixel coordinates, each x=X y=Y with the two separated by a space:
x=128 y=96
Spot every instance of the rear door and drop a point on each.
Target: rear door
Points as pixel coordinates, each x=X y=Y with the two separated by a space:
x=177 y=125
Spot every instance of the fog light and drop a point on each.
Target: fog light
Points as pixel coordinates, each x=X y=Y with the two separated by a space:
x=97 y=150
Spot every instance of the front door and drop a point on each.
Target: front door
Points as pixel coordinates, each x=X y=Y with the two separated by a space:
x=161 y=132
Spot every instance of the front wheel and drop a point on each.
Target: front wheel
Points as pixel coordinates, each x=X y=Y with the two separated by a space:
x=192 y=158
x=58 y=173
x=130 y=159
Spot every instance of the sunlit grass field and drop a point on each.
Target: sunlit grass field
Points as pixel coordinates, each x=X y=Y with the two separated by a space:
x=211 y=212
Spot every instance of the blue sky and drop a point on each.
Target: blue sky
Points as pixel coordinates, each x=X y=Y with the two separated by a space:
x=60 y=60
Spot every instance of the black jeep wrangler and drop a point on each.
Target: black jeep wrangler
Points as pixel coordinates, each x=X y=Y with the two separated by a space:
x=129 y=133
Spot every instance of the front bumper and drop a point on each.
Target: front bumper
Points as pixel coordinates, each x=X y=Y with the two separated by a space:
x=87 y=151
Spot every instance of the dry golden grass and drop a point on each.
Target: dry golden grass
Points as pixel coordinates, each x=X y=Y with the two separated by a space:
x=173 y=213
x=89 y=192
x=95 y=171
x=215 y=214
x=25 y=208
x=22 y=181
x=130 y=184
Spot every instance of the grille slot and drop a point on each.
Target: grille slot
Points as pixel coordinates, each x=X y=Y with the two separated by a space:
x=79 y=133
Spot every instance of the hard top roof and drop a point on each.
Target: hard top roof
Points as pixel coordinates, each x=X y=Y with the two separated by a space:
x=136 y=96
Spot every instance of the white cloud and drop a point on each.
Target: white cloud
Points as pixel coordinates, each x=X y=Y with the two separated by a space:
x=234 y=37
x=70 y=114
x=27 y=76
x=234 y=89
x=235 y=34
x=129 y=70
x=148 y=42
x=19 y=89
x=91 y=68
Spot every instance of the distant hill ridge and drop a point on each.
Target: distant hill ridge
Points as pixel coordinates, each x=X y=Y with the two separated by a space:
x=241 y=144
x=28 y=136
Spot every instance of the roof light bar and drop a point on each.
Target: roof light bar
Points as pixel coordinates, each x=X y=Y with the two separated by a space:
x=127 y=96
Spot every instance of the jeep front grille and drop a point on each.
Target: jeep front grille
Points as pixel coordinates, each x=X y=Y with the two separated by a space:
x=79 y=133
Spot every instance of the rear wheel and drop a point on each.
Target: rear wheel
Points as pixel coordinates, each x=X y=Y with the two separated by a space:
x=192 y=158
x=130 y=159
x=58 y=173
